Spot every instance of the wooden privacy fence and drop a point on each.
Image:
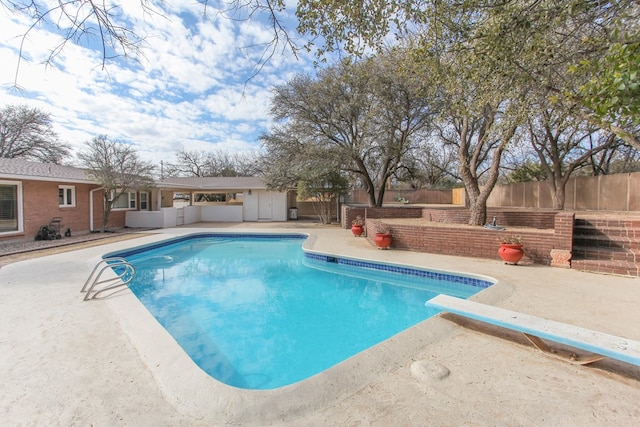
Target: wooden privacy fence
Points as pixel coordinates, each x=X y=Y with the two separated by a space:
x=619 y=192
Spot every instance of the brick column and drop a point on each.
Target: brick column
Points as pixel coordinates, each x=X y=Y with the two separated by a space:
x=562 y=239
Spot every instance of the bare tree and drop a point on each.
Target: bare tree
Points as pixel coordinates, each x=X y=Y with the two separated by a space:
x=564 y=145
x=117 y=167
x=27 y=133
x=89 y=21
x=478 y=119
x=431 y=165
x=366 y=114
x=200 y=163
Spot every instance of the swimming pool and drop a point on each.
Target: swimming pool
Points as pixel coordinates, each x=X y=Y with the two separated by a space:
x=257 y=312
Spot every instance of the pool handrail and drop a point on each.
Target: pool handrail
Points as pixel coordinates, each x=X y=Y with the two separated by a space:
x=122 y=278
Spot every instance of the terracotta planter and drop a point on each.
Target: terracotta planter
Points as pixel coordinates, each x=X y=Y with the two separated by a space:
x=382 y=240
x=357 y=230
x=510 y=253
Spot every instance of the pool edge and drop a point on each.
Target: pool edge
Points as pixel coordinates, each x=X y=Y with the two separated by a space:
x=191 y=391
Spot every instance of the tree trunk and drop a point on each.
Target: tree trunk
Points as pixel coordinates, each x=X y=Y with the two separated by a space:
x=558 y=189
x=478 y=213
x=468 y=170
x=558 y=197
x=107 y=211
x=371 y=189
x=371 y=192
x=322 y=208
x=380 y=197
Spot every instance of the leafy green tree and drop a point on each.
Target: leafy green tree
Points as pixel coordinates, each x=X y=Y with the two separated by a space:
x=527 y=172
x=613 y=91
x=583 y=56
x=322 y=186
x=116 y=166
x=586 y=53
x=27 y=133
x=312 y=169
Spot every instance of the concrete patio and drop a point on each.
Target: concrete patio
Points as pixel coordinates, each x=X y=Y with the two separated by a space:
x=64 y=361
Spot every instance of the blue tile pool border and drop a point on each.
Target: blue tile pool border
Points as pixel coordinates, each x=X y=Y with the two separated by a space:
x=429 y=274
x=411 y=271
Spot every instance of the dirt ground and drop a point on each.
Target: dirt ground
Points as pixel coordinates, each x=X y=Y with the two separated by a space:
x=19 y=251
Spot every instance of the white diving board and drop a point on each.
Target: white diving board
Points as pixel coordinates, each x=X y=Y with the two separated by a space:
x=536 y=329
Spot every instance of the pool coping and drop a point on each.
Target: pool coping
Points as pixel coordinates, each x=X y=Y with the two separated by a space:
x=192 y=391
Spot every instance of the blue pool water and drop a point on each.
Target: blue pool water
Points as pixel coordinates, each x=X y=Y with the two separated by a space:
x=257 y=312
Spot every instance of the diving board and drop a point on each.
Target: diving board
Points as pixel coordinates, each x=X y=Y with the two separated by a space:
x=537 y=329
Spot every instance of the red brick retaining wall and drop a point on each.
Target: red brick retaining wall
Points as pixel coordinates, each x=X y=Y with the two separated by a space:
x=548 y=234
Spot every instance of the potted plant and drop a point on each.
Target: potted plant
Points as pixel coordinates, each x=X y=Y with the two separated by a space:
x=357 y=226
x=383 y=236
x=511 y=249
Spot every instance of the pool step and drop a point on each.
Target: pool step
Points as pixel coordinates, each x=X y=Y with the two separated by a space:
x=607 y=244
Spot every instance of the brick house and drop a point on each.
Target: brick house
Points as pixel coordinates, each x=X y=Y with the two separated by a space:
x=32 y=194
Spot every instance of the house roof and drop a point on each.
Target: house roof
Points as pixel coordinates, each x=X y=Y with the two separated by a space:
x=23 y=169
x=213 y=183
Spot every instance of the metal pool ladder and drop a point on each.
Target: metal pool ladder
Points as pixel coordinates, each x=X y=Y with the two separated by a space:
x=125 y=272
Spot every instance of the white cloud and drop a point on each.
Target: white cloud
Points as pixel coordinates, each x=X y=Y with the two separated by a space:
x=193 y=88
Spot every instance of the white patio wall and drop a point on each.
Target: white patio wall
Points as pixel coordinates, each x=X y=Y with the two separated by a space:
x=221 y=213
x=192 y=214
x=275 y=209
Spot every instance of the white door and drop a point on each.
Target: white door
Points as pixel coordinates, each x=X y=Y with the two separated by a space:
x=265 y=206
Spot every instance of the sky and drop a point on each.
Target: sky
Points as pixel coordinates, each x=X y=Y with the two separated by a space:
x=195 y=86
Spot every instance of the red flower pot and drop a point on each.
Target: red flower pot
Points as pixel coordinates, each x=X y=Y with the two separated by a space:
x=357 y=230
x=510 y=253
x=382 y=240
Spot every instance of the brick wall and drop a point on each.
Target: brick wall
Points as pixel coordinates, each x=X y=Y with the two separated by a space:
x=349 y=213
x=393 y=212
x=539 y=219
x=421 y=196
x=449 y=234
x=563 y=227
x=117 y=218
x=40 y=205
x=464 y=240
x=543 y=219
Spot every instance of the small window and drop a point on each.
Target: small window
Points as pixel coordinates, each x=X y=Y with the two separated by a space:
x=144 y=201
x=66 y=196
x=125 y=201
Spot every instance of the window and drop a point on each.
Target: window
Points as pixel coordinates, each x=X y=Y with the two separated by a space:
x=10 y=203
x=66 y=196
x=210 y=197
x=125 y=201
x=144 y=201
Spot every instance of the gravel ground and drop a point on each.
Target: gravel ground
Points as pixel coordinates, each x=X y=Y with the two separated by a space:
x=19 y=249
